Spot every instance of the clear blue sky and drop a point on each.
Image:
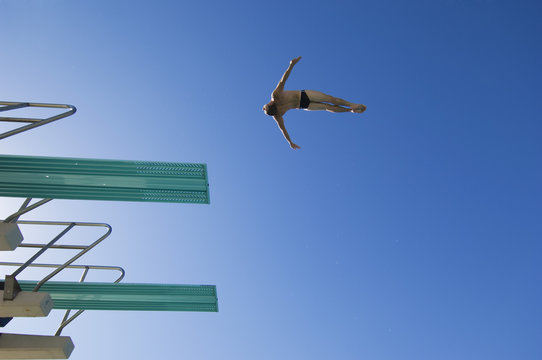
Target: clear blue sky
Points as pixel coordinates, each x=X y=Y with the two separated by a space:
x=411 y=231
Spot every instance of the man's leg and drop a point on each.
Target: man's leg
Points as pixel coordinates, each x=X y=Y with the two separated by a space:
x=320 y=97
x=328 y=107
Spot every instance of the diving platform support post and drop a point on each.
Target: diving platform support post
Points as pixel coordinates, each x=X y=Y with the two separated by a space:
x=16 y=346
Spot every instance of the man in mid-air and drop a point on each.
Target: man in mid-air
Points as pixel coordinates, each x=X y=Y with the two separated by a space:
x=284 y=100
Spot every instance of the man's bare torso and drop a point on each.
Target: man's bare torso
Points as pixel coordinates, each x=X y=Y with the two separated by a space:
x=286 y=100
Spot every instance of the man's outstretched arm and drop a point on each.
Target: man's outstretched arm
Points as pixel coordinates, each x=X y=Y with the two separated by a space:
x=280 y=123
x=280 y=86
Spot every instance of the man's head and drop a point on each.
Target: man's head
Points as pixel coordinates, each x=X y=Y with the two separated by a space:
x=270 y=108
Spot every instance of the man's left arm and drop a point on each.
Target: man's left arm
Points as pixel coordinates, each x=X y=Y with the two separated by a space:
x=280 y=86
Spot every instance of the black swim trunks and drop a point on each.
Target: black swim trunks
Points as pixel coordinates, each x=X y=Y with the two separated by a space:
x=304 y=100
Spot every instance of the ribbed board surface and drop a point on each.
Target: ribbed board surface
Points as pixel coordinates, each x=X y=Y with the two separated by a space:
x=146 y=297
x=93 y=179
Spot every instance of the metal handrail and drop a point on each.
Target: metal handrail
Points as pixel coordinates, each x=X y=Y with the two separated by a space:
x=24 y=209
x=92 y=267
x=84 y=249
x=10 y=105
x=42 y=250
x=11 y=283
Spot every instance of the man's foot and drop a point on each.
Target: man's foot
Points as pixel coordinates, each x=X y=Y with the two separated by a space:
x=359 y=108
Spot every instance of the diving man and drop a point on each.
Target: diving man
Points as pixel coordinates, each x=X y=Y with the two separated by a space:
x=284 y=100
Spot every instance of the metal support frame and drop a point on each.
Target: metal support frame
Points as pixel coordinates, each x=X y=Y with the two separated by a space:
x=67 y=319
x=44 y=247
x=32 y=122
x=10 y=286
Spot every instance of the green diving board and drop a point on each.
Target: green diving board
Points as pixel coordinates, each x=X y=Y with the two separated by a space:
x=94 y=179
x=124 y=296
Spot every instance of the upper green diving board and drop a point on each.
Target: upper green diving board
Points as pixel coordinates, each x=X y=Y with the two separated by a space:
x=124 y=296
x=94 y=179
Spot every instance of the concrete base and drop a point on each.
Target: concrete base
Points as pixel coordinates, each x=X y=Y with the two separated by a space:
x=10 y=236
x=26 y=304
x=15 y=346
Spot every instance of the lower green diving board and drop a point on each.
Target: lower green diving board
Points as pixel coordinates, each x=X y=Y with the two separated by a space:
x=124 y=296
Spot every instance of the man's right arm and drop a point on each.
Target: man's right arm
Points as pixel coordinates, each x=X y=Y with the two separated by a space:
x=280 y=123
